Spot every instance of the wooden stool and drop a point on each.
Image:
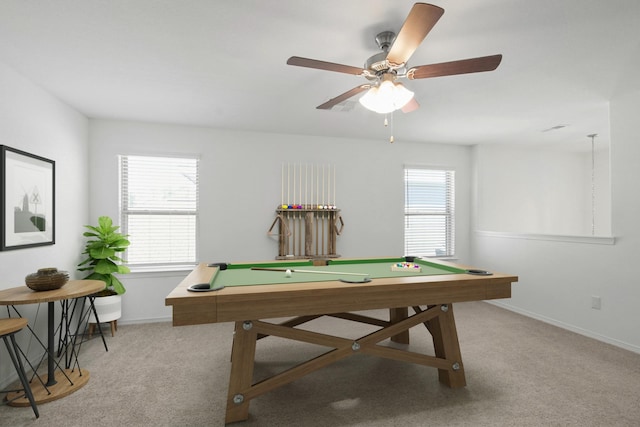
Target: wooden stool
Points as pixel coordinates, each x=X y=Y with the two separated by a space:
x=114 y=327
x=8 y=329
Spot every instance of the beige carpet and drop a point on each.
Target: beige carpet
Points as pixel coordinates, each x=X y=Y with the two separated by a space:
x=520 y=372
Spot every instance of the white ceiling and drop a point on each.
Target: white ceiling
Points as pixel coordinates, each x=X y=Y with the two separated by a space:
x=223 y=64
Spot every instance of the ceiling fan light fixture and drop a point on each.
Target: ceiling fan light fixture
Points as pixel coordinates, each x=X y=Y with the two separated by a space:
x=402 y=95
x=388 y=96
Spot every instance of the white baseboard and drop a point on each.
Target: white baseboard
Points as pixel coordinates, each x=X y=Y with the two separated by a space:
x=142 y=321
x=569 y=327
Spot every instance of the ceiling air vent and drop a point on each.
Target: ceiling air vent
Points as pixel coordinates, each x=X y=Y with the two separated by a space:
x=556 y=127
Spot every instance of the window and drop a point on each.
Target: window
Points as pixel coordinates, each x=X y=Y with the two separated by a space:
x=429 y=212
x=159 y=209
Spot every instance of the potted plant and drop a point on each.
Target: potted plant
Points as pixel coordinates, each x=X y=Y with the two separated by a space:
x=102 y=250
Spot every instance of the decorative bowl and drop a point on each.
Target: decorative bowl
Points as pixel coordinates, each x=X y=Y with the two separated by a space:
x=46 y=279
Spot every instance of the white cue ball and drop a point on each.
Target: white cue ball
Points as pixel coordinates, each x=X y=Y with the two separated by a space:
x=287 y=273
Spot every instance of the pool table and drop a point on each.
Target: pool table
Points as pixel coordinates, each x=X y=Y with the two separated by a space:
x=248 y=293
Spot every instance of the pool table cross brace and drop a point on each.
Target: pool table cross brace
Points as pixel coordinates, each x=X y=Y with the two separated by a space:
x=437 y=318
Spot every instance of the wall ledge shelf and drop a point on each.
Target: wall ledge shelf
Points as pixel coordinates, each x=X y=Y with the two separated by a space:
x=593 y=240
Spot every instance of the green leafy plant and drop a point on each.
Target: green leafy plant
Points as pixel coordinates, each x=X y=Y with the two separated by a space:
x=102 y=249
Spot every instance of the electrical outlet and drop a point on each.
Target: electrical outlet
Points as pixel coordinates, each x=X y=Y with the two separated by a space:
x=596 y=302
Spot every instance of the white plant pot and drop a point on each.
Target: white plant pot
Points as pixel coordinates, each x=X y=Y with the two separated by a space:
x=108 y=308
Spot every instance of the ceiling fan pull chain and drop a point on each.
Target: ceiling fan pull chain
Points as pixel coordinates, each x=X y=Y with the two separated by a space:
x=386 y=124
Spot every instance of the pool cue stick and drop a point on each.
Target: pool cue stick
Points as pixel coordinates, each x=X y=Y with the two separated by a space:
x=286 y=237
x=299 y=214
x=299 y=233
x=300 y=185
x=328 y=184
x=293 y=238
x=289 y=236
x=305 y=207
x=332 y=225
x=301 y=237
x=323 y=235
x=311 y=185
x=293 y=221
x=291 y=243
x=315 y=219
x=288 y=184
x=324 y=180
x=283 y=270
x=291 y=224
x=317 y=205
x=308 y=236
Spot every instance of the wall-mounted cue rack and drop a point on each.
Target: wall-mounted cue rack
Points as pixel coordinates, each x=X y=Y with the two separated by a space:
x=307 y=228
x=307 y=232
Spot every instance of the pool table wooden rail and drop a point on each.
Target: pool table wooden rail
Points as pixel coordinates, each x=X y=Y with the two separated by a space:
x=295 y=299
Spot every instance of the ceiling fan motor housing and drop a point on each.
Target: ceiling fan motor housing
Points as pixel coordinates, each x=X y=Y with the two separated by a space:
x=385 y=39
x=378 y=63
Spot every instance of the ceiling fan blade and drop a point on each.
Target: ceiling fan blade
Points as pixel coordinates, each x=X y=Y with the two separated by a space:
x=338 y=99
x=411 y=106
x=419 y=22
x=463 y=66
x=323 y=65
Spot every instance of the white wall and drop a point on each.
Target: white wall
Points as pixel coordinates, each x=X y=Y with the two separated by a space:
x=559 y=278
x=240 y=188
x=541 y=191
x=32 y=120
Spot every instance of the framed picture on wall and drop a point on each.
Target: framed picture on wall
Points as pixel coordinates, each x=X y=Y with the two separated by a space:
x=27 y=198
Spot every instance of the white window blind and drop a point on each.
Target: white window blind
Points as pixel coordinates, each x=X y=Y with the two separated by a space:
x=159 y=209
x=429 y=226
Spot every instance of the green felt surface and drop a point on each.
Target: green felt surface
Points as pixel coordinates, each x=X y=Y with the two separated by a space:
x=242 y=275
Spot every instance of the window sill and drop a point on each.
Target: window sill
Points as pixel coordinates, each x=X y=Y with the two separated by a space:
x=596 y=240
x=162 y=269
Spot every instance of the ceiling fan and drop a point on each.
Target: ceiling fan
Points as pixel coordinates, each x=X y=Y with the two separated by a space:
x=384 y=69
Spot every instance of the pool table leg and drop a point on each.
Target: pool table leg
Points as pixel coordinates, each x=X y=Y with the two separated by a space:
x=241 y=378
x=446 y=346
x=395 y=316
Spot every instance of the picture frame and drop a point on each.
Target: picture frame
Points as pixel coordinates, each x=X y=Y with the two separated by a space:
x=27 y=200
